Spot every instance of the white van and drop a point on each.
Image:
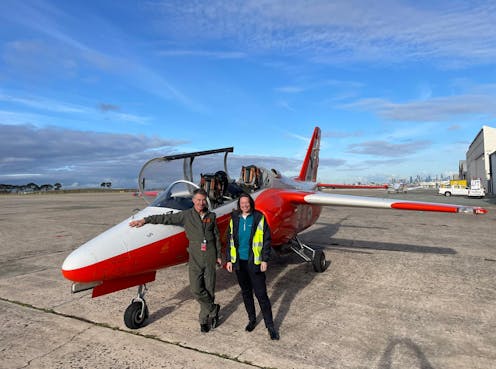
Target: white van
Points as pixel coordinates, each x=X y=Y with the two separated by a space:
x=475 y=190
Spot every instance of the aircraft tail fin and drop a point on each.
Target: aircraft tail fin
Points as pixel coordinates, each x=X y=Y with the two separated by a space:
x=310 y=165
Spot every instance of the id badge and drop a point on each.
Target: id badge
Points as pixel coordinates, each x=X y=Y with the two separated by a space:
x=203 y=245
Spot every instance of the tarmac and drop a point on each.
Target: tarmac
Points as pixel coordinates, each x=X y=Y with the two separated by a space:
x=402 y=290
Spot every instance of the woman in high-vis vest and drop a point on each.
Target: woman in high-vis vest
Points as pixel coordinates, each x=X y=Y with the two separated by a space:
x=248 y=250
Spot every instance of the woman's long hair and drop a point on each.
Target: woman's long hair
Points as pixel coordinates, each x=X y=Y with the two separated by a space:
x=252 y=202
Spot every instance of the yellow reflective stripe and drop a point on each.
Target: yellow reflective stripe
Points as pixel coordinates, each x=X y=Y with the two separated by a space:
x=231 y=243
x=257 y=242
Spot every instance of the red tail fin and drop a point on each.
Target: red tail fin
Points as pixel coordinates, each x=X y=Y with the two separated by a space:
x=311 y=163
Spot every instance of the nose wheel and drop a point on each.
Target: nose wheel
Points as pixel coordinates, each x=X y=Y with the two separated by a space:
x=137 y=312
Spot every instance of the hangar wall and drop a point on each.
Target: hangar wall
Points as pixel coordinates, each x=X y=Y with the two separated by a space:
x=492 y=168
x=477 y=157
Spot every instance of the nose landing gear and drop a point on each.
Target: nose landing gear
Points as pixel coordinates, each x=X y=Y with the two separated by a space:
x=137 y=312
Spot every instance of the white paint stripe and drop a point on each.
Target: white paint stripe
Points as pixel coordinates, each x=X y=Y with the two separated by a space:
x=349 y=200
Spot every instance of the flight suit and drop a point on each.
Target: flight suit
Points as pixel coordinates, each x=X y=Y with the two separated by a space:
x=202 y=264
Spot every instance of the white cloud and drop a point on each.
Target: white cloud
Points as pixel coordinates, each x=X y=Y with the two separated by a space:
x=204 y=53
x=341 y=31
x=66 y=156
x=388 y=149
x=435 y=109
x=41 y=103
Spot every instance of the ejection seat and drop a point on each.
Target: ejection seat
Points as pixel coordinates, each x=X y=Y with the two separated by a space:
x=251 y=177
x=215 y=185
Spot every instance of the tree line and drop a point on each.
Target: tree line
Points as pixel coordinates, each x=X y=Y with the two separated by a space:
x=30 y=187
x=33 y=187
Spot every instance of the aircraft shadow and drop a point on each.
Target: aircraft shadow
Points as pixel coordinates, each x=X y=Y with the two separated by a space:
x=284 y=291
x=301 y=276
x=344 y=245
x=322 y=239
x=289 y=282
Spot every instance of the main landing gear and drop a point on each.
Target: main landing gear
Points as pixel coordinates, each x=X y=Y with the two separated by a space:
x=137 y=312
x=316 y=257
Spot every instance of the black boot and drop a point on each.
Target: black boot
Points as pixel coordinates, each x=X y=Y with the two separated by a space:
x=251 y=325
x=274 y=335
x=215 y=319
x=204 y=328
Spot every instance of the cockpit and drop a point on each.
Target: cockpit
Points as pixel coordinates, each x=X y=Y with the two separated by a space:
x=161 y=175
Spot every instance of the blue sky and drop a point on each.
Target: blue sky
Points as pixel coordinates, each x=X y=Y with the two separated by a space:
x=90 y=90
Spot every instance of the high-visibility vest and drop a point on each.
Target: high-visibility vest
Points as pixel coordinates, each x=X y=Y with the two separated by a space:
x=256 y=245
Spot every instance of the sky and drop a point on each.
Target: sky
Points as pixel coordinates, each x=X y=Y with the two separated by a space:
x=91 y=90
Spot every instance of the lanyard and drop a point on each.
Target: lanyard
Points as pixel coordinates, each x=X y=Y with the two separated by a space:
x=204 y=224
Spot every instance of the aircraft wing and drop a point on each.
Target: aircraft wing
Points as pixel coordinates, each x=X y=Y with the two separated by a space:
x=338 y=185
x=329 y=199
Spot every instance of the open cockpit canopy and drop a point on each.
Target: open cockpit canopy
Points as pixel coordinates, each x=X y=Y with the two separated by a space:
x=160 y=173
x=175 y=177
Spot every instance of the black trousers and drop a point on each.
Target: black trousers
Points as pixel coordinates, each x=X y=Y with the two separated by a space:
x=251 y=282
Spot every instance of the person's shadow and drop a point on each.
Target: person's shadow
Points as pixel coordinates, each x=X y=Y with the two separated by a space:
x=287 y=287
x=289 y=281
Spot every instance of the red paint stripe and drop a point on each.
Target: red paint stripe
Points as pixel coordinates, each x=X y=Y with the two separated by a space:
x=157 y=255
x=166 y=252
x=122 y=283
x=425 y=207
x=480 y=211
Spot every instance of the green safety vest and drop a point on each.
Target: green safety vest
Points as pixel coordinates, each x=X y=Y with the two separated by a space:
x=256 y=244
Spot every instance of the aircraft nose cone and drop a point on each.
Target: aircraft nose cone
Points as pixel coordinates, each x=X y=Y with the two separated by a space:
x=77 y=265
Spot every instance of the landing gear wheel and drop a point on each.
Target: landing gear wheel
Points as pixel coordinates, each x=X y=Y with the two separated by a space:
x=133 y=317
x=319 y=261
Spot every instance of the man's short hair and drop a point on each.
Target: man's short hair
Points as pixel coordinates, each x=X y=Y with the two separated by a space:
x=200 y=191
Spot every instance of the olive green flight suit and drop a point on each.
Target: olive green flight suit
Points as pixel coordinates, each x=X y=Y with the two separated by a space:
x=202 y=264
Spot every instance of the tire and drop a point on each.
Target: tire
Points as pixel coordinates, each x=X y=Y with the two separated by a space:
x=319 y=261
x=447 y=194
x=132 y=315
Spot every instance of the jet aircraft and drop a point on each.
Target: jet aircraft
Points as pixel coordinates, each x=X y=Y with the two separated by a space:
x=123 y=257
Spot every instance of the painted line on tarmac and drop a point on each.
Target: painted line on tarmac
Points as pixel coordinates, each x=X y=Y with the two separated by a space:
x=147 y=336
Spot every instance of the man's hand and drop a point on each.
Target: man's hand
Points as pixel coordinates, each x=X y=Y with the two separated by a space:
x=137 y=223
x=219 y=261
x=263 y=266
x=229 y=267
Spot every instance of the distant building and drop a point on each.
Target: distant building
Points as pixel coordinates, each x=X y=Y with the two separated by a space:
x=483 y=145
x=462 y=169
x=492 y=172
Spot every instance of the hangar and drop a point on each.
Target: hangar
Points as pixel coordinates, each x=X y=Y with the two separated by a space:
x=478 y=157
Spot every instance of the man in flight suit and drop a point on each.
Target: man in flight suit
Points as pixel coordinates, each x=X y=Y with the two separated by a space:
x=204 y=252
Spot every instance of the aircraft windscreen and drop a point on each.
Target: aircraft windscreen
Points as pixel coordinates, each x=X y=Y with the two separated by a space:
x=177 y=196
x=157 y=175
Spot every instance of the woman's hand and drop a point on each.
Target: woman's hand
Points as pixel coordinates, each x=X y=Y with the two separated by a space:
x=263 y=266
x=229 y=266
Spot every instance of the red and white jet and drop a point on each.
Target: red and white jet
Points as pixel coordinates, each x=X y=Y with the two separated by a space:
x=123 y=257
